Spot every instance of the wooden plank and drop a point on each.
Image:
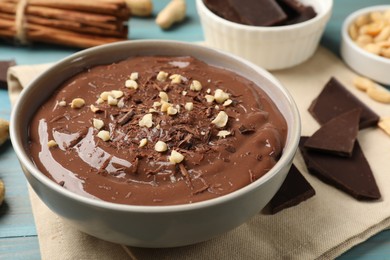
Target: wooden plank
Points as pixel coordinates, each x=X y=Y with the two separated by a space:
x=19 y=248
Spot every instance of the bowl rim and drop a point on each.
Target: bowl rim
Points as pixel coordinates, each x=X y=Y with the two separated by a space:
x=287 y=156
x=351 y=44
x=201 y=6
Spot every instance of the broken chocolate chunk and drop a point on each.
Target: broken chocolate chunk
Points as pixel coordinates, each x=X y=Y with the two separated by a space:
x=221 y=9
x=126 y=117
x=296 y=11
x=294 y=190
x=352 y=175
x=248 y=10
x=338 y=135
x=4 y=65
x=334 y=100
x=262 y=12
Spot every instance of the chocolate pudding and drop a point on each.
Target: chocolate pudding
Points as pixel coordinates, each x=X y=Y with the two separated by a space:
x=157 y=131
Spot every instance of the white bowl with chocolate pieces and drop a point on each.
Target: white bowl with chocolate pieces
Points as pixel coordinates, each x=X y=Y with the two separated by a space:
x=274 y=34
x=365 y=45
x=155 y=143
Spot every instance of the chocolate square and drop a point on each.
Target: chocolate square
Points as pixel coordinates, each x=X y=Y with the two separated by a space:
x=335 y=100
x=224 y=10
x=352 y=175
x=294 y=190
x=258 y=12
x=338 y=135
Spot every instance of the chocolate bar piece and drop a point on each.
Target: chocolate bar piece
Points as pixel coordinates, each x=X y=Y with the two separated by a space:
x=334 y=100
x=4 y=65
x=294 y=190
x=338 y=135
x=296 y=11
x=222 y=9
x=258 y=12
x=352 y=175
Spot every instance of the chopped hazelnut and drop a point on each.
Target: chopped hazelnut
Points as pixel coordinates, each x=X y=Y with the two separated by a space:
x=62 y=103
x=77 y=103
x=184 y=92
x=134 y=76
x=121 y=103
x=223 y=133
x=164 y=96
x=147 y=120
x=143 y=142
x=104 y=135
x=165 y=106
x=117 y=93
x=112 y=101
x=94 y=109
x=51 y=143
x=221 y=119
x=189 y=106
x=208 y=91
x=176 y=157
x=99 y=101
x=160 y=146
x=130 y=83
x=196 y=85
x=227 y=102
x=171 y=111
x=156 y=104
x=98 y=124
x=162 y=76
x=176 y=78
x=220 y=96
x=104 y=95
x=152 y=110
x=209 y=98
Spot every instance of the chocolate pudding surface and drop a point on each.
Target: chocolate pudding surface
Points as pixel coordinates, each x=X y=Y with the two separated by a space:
x=155 y=130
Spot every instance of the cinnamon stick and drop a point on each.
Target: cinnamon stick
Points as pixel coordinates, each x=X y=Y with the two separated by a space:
x=80 y=24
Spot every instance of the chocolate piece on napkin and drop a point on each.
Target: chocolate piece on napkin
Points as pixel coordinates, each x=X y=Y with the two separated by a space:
x=258 y=12
x=338 y=135
x=294 y=190
x=334 y=100
x=352 y=175
x=4 y=65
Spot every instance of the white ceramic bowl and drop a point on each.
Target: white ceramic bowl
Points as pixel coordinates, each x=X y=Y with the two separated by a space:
x=152 y=226
x=363 y=62
x=272 y=48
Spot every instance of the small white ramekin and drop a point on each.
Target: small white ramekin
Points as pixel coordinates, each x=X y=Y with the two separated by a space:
x=272 y=48
x=363 y=62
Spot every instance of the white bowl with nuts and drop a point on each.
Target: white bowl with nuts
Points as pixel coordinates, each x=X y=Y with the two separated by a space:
x=365 y=45
x=141 y=127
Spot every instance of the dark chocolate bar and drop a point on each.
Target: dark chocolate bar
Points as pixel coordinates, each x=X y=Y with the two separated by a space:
x=294 y=190
x=334 y=100
x=258 y=12
x=223 y=9
x=352 y=175
x=296 y=11
x=338 y=135
x=4 y=65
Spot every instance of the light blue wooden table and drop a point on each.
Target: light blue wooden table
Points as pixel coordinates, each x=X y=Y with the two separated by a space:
x=18 y=236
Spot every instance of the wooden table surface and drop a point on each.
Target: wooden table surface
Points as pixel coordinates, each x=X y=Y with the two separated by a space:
x=18 y=236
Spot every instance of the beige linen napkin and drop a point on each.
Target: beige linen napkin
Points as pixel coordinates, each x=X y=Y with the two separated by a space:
x=322 y=227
